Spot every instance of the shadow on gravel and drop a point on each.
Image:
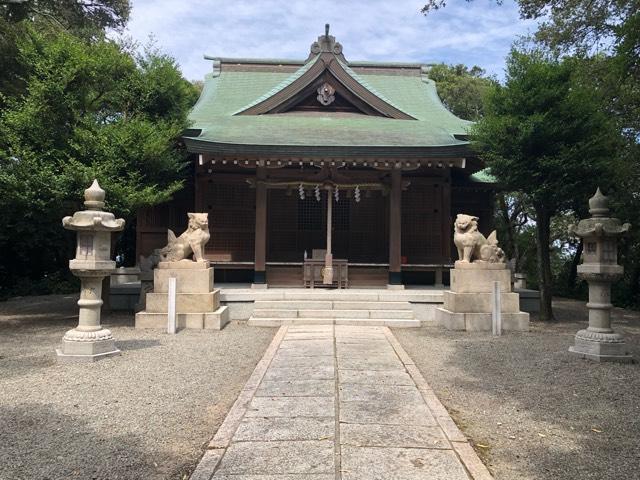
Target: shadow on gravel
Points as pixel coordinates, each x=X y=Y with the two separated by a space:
x=56 y=452
x=565 y=417
x=137 y=344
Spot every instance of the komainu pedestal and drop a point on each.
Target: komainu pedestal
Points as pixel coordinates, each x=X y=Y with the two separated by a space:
x=467 y=306
x=469 y=303
x=197 y=302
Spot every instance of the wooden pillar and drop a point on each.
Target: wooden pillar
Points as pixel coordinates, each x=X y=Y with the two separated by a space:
x=395 y=226
x=260 y=255
x=327 y=278
x=447 y=224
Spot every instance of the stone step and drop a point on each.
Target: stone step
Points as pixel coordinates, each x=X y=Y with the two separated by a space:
x=348 y=305
x=292 y=304
x=396 y=314
x=329 y=305
x=333 y=313
x=276 y=322
x=274 y=313
x=332 y=295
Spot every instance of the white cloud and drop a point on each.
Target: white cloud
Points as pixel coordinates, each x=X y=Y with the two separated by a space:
x=475 y=33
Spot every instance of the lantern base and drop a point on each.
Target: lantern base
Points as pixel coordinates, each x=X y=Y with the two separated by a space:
x=601 y=347
x=91 y=351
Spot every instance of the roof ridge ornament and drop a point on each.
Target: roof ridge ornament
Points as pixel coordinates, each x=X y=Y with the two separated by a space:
x=326 y=44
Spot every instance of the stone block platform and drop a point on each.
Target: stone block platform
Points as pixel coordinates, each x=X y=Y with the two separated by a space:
x=197 y=302
x=338 y=402
x=359 y=306
x=468 y=305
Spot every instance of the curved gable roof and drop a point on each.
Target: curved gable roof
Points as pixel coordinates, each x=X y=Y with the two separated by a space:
x=239 y=108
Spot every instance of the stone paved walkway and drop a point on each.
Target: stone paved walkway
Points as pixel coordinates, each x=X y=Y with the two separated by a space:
x=338 y=402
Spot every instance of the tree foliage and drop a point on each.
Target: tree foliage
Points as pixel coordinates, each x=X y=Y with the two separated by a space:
x=73 y=15
x=461 y=88
x=90 y=109
x=545 y=135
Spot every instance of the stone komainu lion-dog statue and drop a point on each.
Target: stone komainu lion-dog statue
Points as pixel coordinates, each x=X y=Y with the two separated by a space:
x=472 y=245
x=191 y=241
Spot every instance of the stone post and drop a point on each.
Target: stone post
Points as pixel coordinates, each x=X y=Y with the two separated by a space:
x=520 y=281
x=89 y=341
x=599 y=268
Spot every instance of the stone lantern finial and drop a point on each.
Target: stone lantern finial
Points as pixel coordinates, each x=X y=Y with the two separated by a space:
x=94 y=196
x=599 y=205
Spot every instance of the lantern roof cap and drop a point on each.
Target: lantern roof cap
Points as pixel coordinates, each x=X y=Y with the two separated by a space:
x=600 y=224
x=93 y=218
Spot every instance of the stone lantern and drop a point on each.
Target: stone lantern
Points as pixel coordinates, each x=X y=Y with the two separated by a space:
x=89 y=341
x=600 y=268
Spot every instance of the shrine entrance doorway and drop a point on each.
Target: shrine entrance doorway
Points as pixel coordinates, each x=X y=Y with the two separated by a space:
x=298 y=223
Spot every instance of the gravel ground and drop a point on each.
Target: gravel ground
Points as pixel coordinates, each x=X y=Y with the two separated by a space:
x=533 y=410
x=146 y=414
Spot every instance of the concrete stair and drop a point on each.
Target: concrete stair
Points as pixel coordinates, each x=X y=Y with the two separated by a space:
x=310 y=309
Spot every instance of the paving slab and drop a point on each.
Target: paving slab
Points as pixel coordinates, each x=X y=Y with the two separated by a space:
x=343 y=355
x=307 y=352
x=282 y=428
x=373 y=341
x=310 y=335
x=389 y=393
x=309 y=343
x=370 y=363
x=297 y=456
x=340 y=403
x=374 y=463
x=299 y=373
x=297 y=388
x=289 y=361
x=291 y=407
x=382 y=412
x=311 y=328
x=321 y=476
x=408 y=436
x=362 y=348
x=375 y=377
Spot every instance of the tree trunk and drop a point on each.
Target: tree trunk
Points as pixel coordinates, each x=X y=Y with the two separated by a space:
x=511 y=232
x=543 y=228
x=634 y=286
x=573 y=273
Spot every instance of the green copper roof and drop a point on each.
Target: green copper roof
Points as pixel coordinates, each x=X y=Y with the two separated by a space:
x=368 y=86
x=230 y=91
x=286 y=82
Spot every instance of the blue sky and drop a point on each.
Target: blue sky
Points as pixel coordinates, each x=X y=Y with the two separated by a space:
x=476 y=33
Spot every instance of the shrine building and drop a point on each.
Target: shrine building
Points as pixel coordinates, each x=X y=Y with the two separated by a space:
x=325 y=172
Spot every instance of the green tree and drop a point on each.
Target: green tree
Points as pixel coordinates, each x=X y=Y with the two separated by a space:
x=91 y=109
x=461 y=88
x=85 y=18
x=546 y=135
x=73 y=15
x=584 y=27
